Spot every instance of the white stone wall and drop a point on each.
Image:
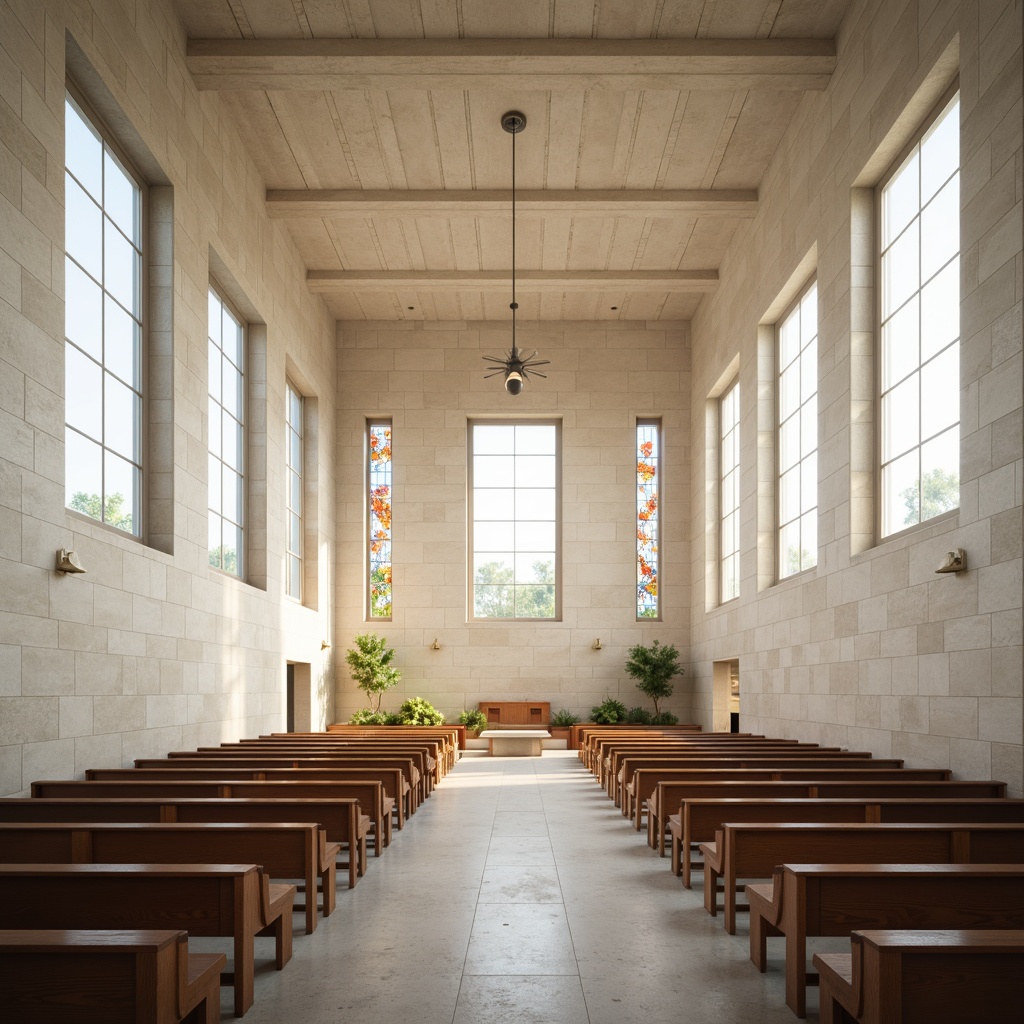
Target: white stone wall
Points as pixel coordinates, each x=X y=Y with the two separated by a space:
x=149 y=651
x=429 y=377
x=872 y=650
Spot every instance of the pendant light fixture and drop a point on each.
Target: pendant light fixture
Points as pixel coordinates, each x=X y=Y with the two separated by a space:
x=514 y=366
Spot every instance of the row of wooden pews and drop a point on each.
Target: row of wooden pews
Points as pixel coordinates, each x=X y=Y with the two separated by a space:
x=923 y=873
x=219 y=841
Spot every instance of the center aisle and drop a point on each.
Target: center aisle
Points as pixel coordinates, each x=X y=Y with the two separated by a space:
x=519 y=894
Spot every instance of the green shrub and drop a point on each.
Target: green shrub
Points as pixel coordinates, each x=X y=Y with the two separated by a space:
x=366 y=716
x=609 y=712
x=664 y=718
x=564 y=717
x=418 y=711
x=473 y=719
x=638 y=716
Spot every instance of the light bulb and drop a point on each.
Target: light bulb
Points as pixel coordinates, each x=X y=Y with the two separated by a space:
x=513 y=382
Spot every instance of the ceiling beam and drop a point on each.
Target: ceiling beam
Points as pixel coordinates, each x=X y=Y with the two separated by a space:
x=511 y=64
x=327 y=281
x=337 y=204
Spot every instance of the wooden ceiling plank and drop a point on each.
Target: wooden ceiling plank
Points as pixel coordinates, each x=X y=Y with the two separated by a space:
x=387 y=138
x=412 y=115
x=337 y=204
x=564 y=138
x=497 y=64
x=451 y=120
x=256 y=122
x=655 y=119
x=359 y=140
x=325 y=281
x=501 y=19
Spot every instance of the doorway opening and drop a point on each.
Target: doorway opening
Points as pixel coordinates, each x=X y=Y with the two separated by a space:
x=298 y=697
x=726 y=695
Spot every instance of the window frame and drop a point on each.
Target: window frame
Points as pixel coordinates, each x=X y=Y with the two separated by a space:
x=300 y=471
x=140 y=460
x=241 y=554
x=732 y=387
x=654 y=422
x=934 y=115
x=556 y=423
x=812 y=283
x=388 y=423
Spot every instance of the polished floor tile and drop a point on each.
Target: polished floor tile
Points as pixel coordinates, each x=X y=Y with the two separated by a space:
x=518 y=894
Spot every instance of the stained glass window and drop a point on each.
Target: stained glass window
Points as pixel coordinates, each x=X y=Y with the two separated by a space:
x=379 y=518
x=648 y=479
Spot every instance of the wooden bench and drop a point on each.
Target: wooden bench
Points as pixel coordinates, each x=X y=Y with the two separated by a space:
x=452 y=735
x=751 y=851
x=893 y=783
x=341 y=819
x=832 y=899
x=700 y=819
x=107 y=977
x=286 y=850
x=428 y=756
x=671 y=785
x=411 y=782
x=395 y=786
x=233 y=900
x=753 y=760
x=370 y=795
x=584 y=735
x=913 y=977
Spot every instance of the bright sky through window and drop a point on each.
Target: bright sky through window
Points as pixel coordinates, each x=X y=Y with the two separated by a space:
x=920 y=358
x=514 y=471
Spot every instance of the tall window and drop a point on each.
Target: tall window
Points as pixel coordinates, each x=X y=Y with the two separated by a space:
x=729 y=491
x=920 y=307
x=648 y=480
x=102 y=327
x=798 y=435
x=379 y=489
x=293 y=495
x=226 y=437
x=514 y=484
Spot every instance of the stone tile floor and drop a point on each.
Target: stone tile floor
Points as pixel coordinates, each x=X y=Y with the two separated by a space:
x=519 y=895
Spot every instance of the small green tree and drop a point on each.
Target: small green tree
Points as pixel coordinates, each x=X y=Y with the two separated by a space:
x=940 y=491
x=112 y=511
x=653 y=668
x=370 y=662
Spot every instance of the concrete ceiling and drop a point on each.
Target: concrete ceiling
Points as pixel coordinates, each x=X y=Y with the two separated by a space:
x=376 y=126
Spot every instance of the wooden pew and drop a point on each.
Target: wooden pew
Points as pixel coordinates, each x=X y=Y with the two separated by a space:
x=816 y=788
x=453 y=735
x=808 y=759
x=370 y=795
x=753 y=850
x=233 y=900
x=395 y=786
x=411 y=781
x=427 y=754
x=699 y=819
x=671 y=785
x=286 y=850
x=912 y=977
x=584 y=734
x=107 y=977
x=833 y=899
x=340 y=819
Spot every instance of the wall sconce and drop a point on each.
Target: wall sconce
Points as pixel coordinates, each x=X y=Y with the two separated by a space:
x=954 y=561
x=324 y=645
x=596 y=645
x=435 y=646
x=67 y=562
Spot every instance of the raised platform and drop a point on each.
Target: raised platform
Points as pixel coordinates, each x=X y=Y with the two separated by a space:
x=515 y=742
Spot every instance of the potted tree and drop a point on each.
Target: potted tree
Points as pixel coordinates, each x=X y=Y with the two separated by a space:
x=653 y=668
x=474 y=720
x=370 y=662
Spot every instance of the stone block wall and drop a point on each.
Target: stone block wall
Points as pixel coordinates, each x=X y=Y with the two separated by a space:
x=871 y=649
x=150 y=650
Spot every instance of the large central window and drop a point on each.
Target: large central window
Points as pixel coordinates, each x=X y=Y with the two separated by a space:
x=514 y=489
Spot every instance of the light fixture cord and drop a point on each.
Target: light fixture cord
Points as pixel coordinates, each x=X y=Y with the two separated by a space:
x=514 y=244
